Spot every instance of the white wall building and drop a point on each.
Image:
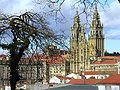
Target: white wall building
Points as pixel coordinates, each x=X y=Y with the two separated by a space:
x=59 y=79
x=74 y=76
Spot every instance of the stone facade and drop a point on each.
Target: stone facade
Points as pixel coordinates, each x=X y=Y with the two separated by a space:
x=55 y=67
x=109 y=64
x=96 y=37
x=78 y=46
x=27 y=70
x=83 y=52
x=55 y=63
x=40 y=67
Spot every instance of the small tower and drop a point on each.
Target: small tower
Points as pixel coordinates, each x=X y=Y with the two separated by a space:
x=96 y=37
x=78 y=46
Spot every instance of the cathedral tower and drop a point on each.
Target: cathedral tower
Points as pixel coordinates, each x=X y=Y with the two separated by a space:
x=96 y=37
x=78 y=46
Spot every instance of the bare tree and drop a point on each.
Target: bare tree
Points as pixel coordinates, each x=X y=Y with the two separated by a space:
x=119 y=1
x=21 y=33
x=54 y=7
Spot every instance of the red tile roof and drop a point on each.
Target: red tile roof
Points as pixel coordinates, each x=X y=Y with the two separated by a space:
x=84 y=81
x=78 y=73
x=20 y=85
x=44 y=58
x=48 y=59
x=39 y=55
x=90 y=73
x=110 y=57
x=54 y=61
x=52 y=57
x=61 y=77
x=3 y=55
x=29 y=59
x=113 y=79
x=105 y=62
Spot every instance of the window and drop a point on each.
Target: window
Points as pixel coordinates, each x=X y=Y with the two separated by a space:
x=96 y=32
x=81 y=51
x=81 y=58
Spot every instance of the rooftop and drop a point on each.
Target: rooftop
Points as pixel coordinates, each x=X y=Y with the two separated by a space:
x=84 y=81
x=105 y=62
x=61 y=77
x=113 y=79
x=110 y=57
x=3 y=55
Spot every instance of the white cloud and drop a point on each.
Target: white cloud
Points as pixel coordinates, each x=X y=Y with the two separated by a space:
x=23 y=5
x=15 y=6
x=3 y=51
x=111 y=16
x=113 y=35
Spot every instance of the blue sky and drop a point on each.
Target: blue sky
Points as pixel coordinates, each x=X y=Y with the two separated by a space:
x=110 y=17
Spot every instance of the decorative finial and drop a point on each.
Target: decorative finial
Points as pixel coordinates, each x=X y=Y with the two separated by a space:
x=96 y=7
x=76 y=10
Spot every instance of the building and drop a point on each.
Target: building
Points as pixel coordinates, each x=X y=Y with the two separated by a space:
x=78 y=46
x=4 y=69
x=54 y=66
x=110 y=83
x=27 y=70
x=52 y=50
x=59 y=80
x=83 y=52
x=55 y=62
x=40 y=67
x=113 y=79
x=76 y=76
x=84 y=81
x=96 y=37
x=107 y=64
x=95 y=74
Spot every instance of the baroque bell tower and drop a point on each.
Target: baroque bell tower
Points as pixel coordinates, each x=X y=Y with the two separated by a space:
x=96 y=37
x=78 y=46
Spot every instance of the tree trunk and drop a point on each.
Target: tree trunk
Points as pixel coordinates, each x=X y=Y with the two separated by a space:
x=15 y=57
x=14 y=77
x=13 y=85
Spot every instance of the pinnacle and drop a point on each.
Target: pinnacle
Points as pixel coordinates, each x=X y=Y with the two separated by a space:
x=77 y=11
x=96 y=18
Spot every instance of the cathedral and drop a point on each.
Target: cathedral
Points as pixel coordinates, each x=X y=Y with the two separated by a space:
x=84 y=51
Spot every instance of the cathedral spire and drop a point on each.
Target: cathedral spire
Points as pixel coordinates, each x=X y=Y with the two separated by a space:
x=96 y=37
x=77 y=19
x=96 y=19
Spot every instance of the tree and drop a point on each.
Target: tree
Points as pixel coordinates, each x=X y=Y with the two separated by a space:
x=54 y=7
x=119 y=1
x=21 y=33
